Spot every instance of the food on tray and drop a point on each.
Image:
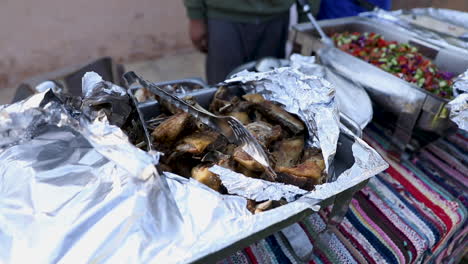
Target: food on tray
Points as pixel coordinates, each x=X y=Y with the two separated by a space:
x=401 y=59
x=190 y=148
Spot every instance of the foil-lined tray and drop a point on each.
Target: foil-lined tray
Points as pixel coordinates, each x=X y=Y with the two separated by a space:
x=336 y=192
x=444 y=27
x=414 y=106
x=74 y=187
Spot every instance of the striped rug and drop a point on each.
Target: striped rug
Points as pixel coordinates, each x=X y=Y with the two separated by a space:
x=414 y=212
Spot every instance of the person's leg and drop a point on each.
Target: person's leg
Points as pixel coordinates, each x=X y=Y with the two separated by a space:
x=225 y=49
x=272 y=36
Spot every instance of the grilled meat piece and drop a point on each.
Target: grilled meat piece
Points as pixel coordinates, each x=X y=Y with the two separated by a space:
x=253 y=98
x=278 y=115
x=246 y=160
x=203 y=175
x=170 y=129
x=301 y=182
x=247 y=172
x=309 y=169
x=221 y=98
x=304 y=175
x=196 y=143
x=264 y=132
x=243 y=117
x=219 y=158
x=288 y=151
x=261 y=207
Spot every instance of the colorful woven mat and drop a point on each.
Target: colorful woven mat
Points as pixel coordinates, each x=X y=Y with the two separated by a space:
x=415 y=211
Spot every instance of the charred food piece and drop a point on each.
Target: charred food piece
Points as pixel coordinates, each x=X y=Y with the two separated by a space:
x=247 y=172
x=261 y=207
x=308 y=169
x=170 y=129
x=288 y=151
x=305 y=175
x=246 y=160
x=251 y=205
x=277 y=114
x=203 y=175
x=196 y=143
x=254 y=98
x=243 y=117
x=221 y=99
x=301 y=182
x=240 y=110
x=218 y=158
x=264 y=132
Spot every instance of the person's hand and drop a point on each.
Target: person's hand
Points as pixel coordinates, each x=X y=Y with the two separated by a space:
x=199 y=34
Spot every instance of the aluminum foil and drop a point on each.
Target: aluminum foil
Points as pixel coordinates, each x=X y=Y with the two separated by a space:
x=75 y=188
x=348 y=92
x=100 y=95
x=450 y=16
x=459 y=105
x=19 y=121
x=256 y=189
x=367 y=164
x=460 y=84
x=310 y=97
x=69 y=191
x=454 y=17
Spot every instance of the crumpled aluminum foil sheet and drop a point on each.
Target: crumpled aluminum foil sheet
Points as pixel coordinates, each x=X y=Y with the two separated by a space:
x=291 y=87
x=70 y=191
x=450 y=16
x=19 y=121
x=347 y=92
x=310 y=97
x=454 y=17
x=459 y=105
x=460 y=84
x=100 y=95
x=256 y=189
x=367 y=164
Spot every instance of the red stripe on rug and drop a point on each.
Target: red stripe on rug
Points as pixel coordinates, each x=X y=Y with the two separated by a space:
x=251 y=255
x=421 y=197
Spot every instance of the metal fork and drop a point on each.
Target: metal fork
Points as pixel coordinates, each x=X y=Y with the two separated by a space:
x=228 y=126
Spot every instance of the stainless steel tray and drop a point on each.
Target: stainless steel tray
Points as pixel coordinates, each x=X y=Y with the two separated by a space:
x=415 y=107
x=178 y=87
x=343 y=160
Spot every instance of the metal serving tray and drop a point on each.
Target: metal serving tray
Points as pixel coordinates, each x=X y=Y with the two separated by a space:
x=179 y=87
x=343 y=160
x=414 y=106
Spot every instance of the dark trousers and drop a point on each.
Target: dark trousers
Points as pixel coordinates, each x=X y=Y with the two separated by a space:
x=231 y=44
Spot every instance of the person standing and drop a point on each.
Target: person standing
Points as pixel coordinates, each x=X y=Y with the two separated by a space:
x=235 y=32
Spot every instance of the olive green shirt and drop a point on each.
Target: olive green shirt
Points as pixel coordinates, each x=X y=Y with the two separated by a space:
x=247 y=11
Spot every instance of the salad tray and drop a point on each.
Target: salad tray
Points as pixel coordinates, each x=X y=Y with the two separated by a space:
x=414 y=107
